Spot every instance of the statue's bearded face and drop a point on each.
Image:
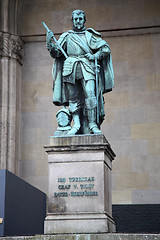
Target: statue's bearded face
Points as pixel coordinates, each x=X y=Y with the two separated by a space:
x=78 y=21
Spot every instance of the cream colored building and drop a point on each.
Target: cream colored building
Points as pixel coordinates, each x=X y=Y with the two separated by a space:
x=132 y=124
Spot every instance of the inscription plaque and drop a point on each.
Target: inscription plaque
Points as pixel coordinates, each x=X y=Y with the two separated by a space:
x=74 y=190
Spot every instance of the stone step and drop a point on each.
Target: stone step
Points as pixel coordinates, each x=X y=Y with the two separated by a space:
x=108 y=236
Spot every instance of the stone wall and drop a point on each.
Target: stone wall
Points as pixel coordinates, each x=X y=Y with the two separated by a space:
x=132 y=124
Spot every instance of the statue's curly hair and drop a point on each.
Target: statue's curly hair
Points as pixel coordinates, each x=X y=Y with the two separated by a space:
x=79 y=12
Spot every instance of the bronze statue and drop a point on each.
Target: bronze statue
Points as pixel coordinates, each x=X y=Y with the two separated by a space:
x=82 y=73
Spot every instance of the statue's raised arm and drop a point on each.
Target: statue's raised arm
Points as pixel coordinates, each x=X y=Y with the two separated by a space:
x=49 y=37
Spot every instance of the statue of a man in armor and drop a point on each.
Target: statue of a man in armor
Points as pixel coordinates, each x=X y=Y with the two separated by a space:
x=81 y=79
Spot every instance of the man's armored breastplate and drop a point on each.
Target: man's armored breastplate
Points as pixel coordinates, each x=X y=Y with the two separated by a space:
x=73 y=49
x=76 y=63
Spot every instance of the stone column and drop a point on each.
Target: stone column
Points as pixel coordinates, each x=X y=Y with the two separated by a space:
x=79 y=199
x=11 y=51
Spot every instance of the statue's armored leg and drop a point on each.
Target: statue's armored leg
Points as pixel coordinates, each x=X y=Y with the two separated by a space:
x=91 y=111
x=74 y=108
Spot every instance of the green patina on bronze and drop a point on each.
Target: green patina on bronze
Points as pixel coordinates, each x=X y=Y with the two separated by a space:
x=64 y=120
x=82 y=73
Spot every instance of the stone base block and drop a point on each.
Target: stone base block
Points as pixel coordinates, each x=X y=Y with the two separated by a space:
x=79 y=223
x=79 y=198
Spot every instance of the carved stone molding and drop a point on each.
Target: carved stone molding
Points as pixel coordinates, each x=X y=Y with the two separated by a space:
x=11 y=46
x=16 y=48
x=1 y=43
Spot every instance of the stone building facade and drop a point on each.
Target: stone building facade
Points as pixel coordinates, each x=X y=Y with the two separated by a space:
x=132 y=124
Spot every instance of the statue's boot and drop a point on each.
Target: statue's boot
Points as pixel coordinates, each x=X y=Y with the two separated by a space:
x=92 y=123
x=91 y=111
x=76 y=125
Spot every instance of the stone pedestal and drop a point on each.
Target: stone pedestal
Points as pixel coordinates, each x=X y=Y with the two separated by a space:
x=79 y=198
